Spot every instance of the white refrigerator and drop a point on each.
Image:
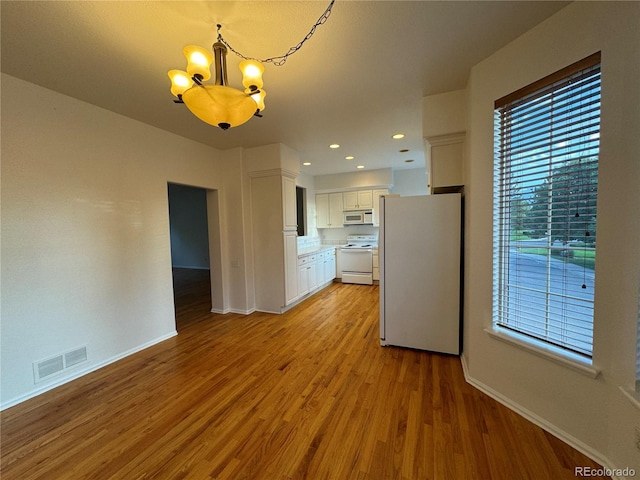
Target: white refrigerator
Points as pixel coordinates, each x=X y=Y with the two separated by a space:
x=420 y=272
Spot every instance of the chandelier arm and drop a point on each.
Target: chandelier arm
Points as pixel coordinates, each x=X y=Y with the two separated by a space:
x=281 y=59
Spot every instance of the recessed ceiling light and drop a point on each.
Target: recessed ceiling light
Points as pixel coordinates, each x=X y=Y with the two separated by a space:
x=404 y=150
x=360 y=166
x=397 y=136
x=306 y=163
x=409 y=161
x=334 y=145
x=349 y=157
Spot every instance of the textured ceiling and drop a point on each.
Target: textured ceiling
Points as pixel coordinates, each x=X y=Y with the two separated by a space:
x=358 y=80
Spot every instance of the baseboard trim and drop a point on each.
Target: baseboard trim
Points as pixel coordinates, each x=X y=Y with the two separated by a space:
x=233 y=310
x=537 y=420
x=85 y=371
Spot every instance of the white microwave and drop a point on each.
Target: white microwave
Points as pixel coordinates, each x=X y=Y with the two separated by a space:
x=358 y=217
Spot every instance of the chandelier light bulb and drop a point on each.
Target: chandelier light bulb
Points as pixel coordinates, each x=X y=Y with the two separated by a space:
x=198 y=61
x=251 y=74
x=180 y=81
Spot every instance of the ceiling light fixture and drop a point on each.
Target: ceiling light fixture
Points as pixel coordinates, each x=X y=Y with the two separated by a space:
x=334 y=145
x=306 y=164
x=219 y=104
x=349 y=157
x=397 y=136
x=360 y=166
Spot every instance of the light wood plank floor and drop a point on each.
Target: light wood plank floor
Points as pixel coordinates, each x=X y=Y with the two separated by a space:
x=191 y=295
x=305 y=395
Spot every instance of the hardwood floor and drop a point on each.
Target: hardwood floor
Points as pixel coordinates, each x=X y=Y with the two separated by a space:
x=191 y=294
x=305 y=395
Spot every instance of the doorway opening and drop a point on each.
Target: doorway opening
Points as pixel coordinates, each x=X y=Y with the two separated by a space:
x=194 y=232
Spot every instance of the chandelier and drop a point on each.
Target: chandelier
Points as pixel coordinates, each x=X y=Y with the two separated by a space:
x=218 y=104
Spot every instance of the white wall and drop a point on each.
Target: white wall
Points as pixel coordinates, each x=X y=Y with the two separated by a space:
x=382 y=177
x=592 y=414
x=443 y=114
x=410 y=182
x=237 y=270
x=85 y=231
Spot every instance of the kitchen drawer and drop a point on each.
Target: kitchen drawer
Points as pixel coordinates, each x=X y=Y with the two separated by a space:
x=308 y=258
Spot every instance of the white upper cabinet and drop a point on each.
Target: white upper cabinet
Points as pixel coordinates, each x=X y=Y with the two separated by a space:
x=329 y=210
x=358 y=200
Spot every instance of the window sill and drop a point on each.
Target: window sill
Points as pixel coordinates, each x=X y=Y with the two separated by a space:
x=549 y=352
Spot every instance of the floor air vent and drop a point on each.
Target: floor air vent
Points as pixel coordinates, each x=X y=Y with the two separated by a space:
x=53 y=365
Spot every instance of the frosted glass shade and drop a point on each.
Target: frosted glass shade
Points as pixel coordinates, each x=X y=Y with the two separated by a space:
x=198 y=61
x=218 y=105
x=180 y=81
x=251 y=73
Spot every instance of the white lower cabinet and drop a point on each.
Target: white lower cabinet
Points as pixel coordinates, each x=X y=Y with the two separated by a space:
x=315 y=270
x=303 y=276
x=313 y=274
x=307 y=274
x=329 y=266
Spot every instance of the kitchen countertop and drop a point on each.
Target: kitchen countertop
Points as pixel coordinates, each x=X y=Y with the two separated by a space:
x=316 y=249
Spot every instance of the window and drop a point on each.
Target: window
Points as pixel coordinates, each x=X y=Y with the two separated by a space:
x=301 y=210
x=545 y=190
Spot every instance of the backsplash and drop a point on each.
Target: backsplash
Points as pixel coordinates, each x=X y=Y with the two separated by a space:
x=338 y=236
x=335 y=236
x=308 y=242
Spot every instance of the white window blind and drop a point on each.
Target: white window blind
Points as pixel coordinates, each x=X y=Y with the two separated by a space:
x=545 y=191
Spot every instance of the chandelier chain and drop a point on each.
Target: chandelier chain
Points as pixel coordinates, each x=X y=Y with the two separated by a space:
x=281 y=59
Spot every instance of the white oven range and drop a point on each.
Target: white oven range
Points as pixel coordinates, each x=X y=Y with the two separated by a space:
x=356 y=259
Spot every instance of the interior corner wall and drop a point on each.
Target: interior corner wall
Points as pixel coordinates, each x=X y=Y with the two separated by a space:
x=593 y=415
x=85 y=232
x=238 y=269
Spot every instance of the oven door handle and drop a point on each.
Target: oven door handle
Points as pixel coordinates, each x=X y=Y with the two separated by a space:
x=359 y=250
